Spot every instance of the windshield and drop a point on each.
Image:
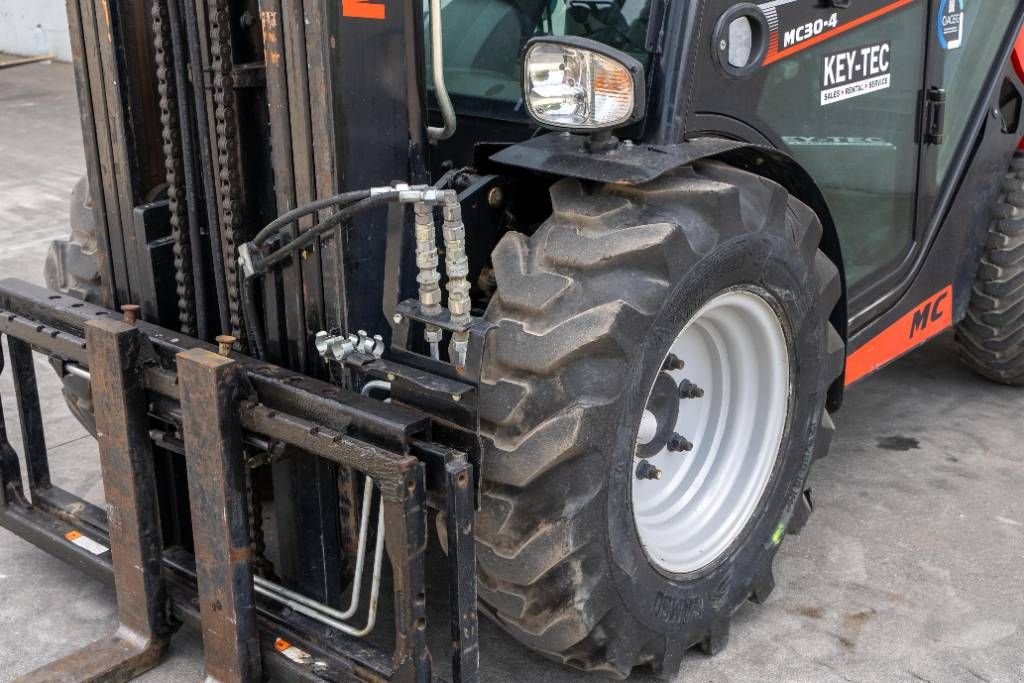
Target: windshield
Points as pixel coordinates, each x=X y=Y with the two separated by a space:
x=483 y=41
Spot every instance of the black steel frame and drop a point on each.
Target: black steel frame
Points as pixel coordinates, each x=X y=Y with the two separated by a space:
x=310 y=418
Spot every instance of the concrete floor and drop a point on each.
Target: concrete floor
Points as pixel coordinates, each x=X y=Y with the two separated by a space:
x=909 y=570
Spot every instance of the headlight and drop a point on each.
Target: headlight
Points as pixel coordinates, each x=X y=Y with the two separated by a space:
x=581 y=85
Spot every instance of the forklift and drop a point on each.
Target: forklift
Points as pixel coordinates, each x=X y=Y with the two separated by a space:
x=561 y=293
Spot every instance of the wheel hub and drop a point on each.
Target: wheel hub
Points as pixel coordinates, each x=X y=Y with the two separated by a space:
x=711 y=431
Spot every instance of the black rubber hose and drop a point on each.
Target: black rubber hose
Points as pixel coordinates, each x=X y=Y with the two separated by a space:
x=253 y=324
x=295 y=214
x=307 y=238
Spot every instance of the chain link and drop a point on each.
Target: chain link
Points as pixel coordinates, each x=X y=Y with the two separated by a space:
x=174 y=164
x=261 y=564
x=227 y=150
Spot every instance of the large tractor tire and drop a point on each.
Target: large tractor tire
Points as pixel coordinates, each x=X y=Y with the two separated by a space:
x=991 y=338
x=72 y=265
x=699 y=304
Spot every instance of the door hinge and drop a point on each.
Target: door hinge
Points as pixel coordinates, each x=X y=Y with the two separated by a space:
x=934 y=116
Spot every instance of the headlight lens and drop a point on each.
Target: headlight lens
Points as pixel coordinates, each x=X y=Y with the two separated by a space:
x=575 y=88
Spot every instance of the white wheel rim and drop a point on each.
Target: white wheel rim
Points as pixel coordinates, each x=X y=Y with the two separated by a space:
x=735 y=349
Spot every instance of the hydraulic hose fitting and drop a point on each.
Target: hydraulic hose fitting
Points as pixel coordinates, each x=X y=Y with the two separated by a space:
x=457 y=268
x=428 y=277
x=433 y=335
x=458 y=349
x=456 y=262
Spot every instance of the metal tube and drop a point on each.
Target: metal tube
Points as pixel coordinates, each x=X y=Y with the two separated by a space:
x=440 y=88
x=364 y=524
x=375 y=384
x=77 y=371
x=320 y=612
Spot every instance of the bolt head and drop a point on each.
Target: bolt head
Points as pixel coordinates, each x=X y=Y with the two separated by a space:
x=679 y=443
x=495 y=198
x=398 y=318
x=673 y=362
x=130 y=313
x=645 y=471
x=688 y=389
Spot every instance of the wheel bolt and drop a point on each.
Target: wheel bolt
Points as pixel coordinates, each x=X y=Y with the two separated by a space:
x=673 y=362
x=645 y=470
x=688 y=389
x=679 y=443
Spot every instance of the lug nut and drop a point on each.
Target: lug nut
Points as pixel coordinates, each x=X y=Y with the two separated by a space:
x=673 y=362
x=224 y=344
x=130 y=313
x=688 y=389
x=679 y=443
x=645 y=470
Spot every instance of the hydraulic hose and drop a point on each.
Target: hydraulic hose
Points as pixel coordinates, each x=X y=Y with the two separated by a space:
x=253 y=324
x=281 y=221
x=307 y=238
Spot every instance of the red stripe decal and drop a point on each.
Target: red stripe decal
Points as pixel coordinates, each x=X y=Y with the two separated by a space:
x=822 y=37
x=363 y=9
x=915 y=328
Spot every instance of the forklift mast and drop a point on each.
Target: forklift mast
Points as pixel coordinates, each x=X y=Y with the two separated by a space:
x=260 y=107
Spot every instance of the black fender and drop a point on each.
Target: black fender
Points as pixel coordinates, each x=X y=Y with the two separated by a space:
x=571 y=156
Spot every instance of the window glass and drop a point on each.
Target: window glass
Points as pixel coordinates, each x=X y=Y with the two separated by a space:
x=974 y=30
x=846 y=110
x=484 y=39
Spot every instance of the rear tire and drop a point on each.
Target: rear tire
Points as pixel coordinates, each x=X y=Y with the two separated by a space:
x=586 y=310
x=72 y=265
x=991 y=338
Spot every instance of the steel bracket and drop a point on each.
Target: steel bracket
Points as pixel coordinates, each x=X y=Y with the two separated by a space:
x=158 y=392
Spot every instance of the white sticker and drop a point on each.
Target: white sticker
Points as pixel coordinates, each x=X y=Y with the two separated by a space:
x=86 y=543
x=951 y=24
x=291 y=652
x=856 y=72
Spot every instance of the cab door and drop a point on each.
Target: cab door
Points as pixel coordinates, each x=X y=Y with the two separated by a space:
x=966 y=41
x=839 y=91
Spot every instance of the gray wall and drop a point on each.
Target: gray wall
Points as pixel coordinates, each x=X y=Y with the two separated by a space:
x=18 y=21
